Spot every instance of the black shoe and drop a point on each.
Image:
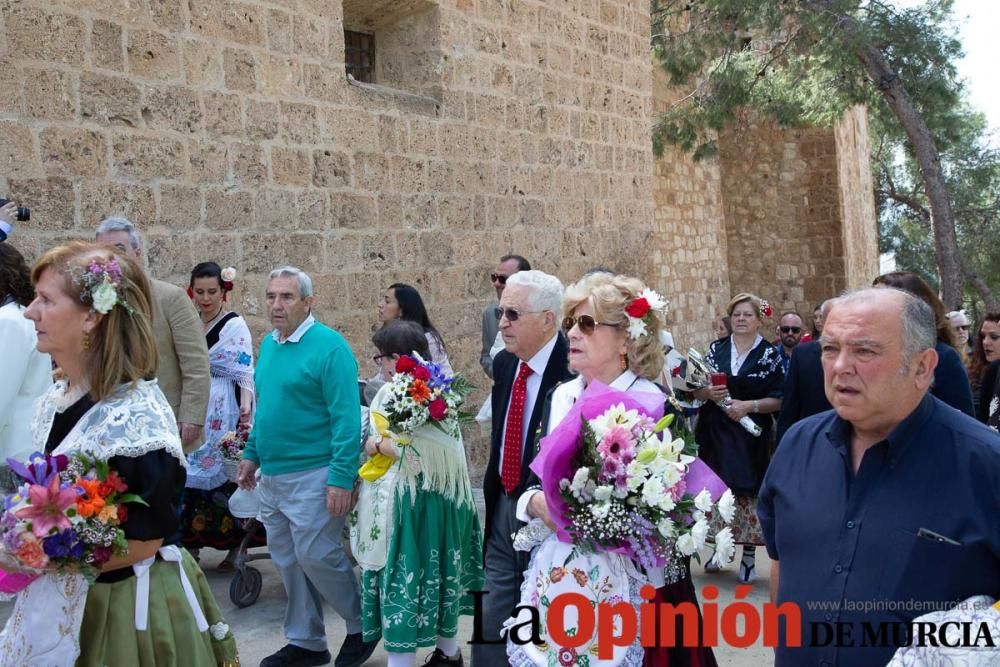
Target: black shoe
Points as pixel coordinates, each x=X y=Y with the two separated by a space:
x=296 y=656
x=439 y=658
x=354 y=651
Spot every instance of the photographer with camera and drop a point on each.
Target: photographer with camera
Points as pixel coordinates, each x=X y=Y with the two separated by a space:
x=9 y=213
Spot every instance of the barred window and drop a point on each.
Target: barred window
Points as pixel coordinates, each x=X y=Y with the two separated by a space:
x=359 y=55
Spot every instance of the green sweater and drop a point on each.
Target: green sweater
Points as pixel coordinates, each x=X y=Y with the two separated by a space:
x=308 y=409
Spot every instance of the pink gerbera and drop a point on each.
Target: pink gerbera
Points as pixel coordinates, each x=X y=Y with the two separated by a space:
x=618 y=444
x=47 y=507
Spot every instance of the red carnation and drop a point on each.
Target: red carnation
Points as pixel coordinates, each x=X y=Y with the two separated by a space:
x=676 y=372
x=767 y=310
x=438 y=409
x=637 y=308
x=421 y=373
x=405 y=364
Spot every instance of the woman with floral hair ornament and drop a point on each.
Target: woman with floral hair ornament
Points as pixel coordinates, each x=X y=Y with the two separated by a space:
x=612 y=324
x=152 y=604
x=753 y=379
x=206 y=519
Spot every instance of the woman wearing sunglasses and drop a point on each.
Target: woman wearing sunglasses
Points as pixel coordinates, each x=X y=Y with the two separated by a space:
x=753 y=379
x=625 y=353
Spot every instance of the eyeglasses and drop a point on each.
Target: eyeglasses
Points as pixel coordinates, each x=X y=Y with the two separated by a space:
x=794 y=330
x=964 y=327
x=499 y=278
x=379 y=357
x=513 y=315
x=586 y=323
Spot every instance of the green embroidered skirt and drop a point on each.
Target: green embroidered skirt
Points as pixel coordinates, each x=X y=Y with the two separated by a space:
x=108 y=635
x=435 y=557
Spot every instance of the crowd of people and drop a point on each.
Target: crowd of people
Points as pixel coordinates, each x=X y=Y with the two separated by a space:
x=852 y=448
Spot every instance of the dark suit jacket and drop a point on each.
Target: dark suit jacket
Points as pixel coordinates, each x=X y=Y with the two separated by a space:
x=504 y=371
x=804 y=394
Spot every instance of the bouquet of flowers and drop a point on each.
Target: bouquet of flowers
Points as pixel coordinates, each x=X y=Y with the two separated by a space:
x=67 y=514
x=615 y=480
x=231 y=446
x=695 y=373
x=419 y=394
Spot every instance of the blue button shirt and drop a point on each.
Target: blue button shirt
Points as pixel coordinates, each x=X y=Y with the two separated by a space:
x=860 y=549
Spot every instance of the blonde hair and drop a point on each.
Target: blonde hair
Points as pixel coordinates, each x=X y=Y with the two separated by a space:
x=122 y=345
x=610 y=295
x=745 y=297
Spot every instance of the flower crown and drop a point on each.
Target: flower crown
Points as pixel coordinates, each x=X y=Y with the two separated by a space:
x=101 y=284
x=642 y=310
x=765 y=309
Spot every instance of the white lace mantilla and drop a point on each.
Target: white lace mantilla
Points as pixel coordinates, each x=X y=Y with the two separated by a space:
x=135 y=420
x=44 y=626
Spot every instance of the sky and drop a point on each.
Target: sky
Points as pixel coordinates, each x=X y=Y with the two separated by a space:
x=980 y=30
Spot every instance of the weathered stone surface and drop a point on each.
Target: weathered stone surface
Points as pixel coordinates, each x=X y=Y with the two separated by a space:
x=49 y=94
x=64 y=34
x=153 y=55
x=107 y=50
x=148 y=156
x=110 y=100
x=100 y=199
x=71 y=151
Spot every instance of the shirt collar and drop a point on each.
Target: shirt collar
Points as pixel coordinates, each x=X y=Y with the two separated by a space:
x=297 y=334
x=900 y=438
x=624 y=381
x=541 y=359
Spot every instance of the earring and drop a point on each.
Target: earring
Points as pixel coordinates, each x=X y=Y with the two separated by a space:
x=624 y=362
x=86 y=340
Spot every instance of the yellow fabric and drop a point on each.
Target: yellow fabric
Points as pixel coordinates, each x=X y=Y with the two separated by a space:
x=379 y=464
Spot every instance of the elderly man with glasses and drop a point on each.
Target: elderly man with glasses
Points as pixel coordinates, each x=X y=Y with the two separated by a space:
x=508 y=266
x=535 y=360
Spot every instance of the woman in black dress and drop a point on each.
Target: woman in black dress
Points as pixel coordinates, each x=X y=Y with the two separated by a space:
x=753 y=381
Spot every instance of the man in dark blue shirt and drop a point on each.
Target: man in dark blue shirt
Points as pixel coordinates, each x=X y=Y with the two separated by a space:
x=885 y=509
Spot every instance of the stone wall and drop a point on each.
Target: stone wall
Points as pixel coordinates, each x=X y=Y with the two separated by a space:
x=228 y=131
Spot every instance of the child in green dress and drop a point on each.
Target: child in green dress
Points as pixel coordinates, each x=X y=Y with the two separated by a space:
x=415 y=533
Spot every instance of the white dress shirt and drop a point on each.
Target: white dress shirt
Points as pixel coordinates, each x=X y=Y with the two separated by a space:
x=534 y=384
x=25 y=374
x=297 y=334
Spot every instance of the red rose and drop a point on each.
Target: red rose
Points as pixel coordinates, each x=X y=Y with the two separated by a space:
x=438 y=409
x=637 y=308
x=421 y=373
x=676 y=372
x=767 y=311
x=405 y=364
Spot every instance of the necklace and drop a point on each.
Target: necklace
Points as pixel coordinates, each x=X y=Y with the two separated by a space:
x=208 y=325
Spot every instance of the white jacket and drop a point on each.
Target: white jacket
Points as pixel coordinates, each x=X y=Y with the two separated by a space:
x=25 y=374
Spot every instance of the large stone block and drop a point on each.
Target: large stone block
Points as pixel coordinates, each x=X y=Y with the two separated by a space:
x=110 y=100
x=35 y=33
x=51 y=200
x=71 y=151
x=239 y=22
x=241 y=70
x=299 y=123
x=331 y=169
x=18 y=158
x=168 y=14
x=144 y=156
x=208 y=162
x=279 y=31
x=174 y=108
x=280 y=76
x=278 y=210
x=222 y=114
x=249 y=165
x=153 y=55
x=263 y=119
x=229 y=210
x=290 y=166
x=203 y=63
x=100 y=199
x=355 y=211
x=49 y=94
x=107 y=49
x=179 y=207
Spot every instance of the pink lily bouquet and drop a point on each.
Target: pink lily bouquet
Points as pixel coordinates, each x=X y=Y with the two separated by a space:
x=66 y=515
x=616 y=480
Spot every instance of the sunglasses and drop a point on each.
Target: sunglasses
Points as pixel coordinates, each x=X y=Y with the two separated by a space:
x=513 y=315
x=586 y=323
x=499 y=278
x=786 y=330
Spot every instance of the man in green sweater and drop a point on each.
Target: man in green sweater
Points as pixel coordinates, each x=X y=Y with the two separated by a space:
x=306 y=442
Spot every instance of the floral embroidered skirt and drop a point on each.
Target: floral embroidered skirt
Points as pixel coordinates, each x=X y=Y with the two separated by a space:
x=435 y=556
x=745 y=526
x=108 y=635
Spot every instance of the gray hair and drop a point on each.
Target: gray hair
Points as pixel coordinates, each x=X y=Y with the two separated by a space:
x=919 y=324
x=545 y=292
x=109 y=225
x=305 y=282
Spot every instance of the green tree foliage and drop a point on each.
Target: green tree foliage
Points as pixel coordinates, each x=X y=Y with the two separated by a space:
x=804 y=63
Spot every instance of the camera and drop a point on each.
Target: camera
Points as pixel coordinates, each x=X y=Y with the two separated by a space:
x=23 y=212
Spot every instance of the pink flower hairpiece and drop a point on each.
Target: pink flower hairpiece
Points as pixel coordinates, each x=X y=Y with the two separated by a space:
x=101 y=284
